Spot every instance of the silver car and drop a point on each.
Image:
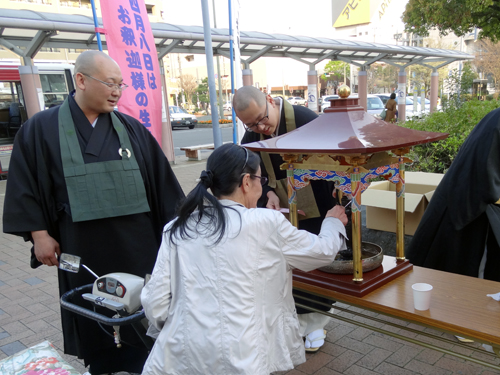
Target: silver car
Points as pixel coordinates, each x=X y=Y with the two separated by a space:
x=374 y=104
x=324 y=101
x=180 y=118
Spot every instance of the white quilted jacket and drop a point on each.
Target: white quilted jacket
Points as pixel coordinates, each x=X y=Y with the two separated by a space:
x=228 y=309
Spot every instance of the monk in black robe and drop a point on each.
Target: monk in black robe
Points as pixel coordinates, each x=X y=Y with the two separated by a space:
x=461 y=226
x=111 y=227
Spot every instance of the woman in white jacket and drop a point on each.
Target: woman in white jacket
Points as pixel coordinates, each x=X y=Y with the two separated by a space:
x=221 y=290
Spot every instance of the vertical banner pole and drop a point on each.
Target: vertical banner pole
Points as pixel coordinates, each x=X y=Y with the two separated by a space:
x=96 y=25
x=231 y=60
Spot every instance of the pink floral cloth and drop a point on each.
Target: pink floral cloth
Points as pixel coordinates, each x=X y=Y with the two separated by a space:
x=41 y=359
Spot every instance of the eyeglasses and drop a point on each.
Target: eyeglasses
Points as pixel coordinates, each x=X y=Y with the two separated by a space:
x=262 y=121
x=263 y=180
x=246 y=158
x=111 y=86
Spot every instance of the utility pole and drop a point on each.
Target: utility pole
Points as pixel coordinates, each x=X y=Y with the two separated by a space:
x=180 y=76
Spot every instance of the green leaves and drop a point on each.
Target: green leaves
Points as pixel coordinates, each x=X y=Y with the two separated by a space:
x=338 y=68
x=458 y=16
x=458 y=122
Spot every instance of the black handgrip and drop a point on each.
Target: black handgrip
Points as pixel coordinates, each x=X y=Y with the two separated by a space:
x=68 y=297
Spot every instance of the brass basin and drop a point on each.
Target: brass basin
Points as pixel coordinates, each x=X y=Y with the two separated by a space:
x=371 y=258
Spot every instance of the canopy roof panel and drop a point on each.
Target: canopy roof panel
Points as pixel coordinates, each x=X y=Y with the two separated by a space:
x=345 y=129
x=77 y=31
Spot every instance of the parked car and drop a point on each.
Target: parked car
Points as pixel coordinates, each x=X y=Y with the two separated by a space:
x=374 y=104
x=324 y=101
x=180 y=118
x=427 y=104
x=296 y=100
x=228 y=106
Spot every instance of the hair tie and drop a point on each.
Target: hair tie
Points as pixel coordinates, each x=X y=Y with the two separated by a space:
x=206 y=178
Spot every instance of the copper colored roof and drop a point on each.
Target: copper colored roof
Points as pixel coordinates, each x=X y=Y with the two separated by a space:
x=345 y=128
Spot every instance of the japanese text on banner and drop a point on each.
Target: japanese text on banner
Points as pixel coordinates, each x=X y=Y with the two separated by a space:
x=131 y=44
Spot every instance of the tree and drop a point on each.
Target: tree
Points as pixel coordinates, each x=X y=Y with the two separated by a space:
x=189 y=85
x=487 y=60
x=202 y=92
x=458 y=16
x=459 y=85
x=382 y=78
x=339 y=70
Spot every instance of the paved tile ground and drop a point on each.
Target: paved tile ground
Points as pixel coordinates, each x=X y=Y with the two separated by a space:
x=29 y=314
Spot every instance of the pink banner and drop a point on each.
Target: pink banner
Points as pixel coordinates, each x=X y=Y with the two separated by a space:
x=131 y=44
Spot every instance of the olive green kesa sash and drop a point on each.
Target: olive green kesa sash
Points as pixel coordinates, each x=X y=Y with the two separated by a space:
x=305 y=196
x=103 y=189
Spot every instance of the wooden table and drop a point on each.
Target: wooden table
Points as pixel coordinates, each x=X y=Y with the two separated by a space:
x=459 y=304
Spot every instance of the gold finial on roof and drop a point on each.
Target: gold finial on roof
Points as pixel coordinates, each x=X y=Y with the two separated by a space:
x=344 y=91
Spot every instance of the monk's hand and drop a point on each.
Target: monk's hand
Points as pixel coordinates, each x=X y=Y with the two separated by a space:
x=273 y=202
x=338 y=212
x=46 y=248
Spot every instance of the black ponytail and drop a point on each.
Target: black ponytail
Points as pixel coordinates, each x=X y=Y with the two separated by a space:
x=226 y=167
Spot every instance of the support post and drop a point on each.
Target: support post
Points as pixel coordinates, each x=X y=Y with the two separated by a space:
x=167 y=143
x=356 y=225
x=434 y=89
x=363 y=88
x=247 y=77
x=312 y=90
x=207 y=36
x=422 y=98
x=401 y=95
x=32 y=89
x=415 y=98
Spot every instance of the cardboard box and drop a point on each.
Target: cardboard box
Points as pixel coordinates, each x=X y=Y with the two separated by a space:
x=380 y=201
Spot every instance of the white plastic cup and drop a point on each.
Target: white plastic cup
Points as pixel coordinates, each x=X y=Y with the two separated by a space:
x=421 y=296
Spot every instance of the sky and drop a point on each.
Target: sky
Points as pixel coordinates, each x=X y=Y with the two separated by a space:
x=311 y=18
x=293 y=17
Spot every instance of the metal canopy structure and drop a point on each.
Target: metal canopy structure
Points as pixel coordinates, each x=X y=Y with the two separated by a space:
x=34 y=30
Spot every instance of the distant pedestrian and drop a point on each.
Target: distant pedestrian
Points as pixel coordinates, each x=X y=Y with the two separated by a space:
x=391 y=108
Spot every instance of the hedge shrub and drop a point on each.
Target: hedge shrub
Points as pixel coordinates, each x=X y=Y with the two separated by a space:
x=437 y=157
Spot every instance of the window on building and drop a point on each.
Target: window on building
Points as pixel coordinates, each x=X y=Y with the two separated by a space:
x=54 y=87
x=12 y=109
x=47 y=49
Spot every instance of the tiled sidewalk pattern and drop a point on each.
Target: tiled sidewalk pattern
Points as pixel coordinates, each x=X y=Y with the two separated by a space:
x=30 y=313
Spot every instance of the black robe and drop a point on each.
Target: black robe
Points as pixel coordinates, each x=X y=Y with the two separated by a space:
x=37 y=199
x=462 y=216
x=322 y=191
